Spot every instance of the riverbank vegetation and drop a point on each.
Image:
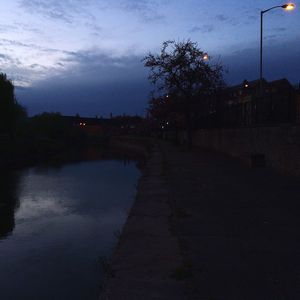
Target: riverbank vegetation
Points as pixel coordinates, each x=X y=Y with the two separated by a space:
x=26 y=139
x=50 y=135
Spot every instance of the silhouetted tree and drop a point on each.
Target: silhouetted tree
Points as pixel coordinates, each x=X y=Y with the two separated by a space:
x=10 y=111
x=50 y=125
x=54 y=126
x=181 y=70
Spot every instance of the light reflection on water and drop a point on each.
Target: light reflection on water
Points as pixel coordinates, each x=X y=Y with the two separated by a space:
x=61 y=222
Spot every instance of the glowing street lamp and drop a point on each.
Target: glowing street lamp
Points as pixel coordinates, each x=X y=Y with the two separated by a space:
x=205 y=56
x=288 y=7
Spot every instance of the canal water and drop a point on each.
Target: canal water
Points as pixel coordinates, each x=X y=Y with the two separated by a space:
x=58 y=223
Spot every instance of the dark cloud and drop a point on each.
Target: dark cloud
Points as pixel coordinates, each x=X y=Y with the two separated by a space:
x=222 y=18
x=225 y=19
x=252 y=17
x=5 y=58
x=244 y=64
x=280 y=29
x=66 y=11
x=10 y=63
x=27 y=27
x=204 y=29
x=51 y=9
x=100 y=99
x=37 y=66
x=147 y=9
x=96 y=84
x=8 y=42
x=96 y=30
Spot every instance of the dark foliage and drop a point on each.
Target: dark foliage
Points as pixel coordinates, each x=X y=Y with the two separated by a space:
x=181 y=69
x=53 y=126
x=184 y=79
x=11 y=113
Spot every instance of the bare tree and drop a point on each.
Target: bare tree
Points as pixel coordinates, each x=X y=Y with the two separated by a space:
x=182 y=70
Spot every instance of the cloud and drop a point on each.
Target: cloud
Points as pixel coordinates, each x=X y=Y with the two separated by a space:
x=7 y=28
x=222 y=18
x=252 y=17
x=8 y=42
x=94 y=83
x=204 y=29
x=69 y=10
x=225 y=19
x=51 y=9
x=244 y=64
x=66 y=11
x=27 y=27
x=147 y=9
x=96 y=29
x=280 y=29
x=27 y=63
x=6 y=59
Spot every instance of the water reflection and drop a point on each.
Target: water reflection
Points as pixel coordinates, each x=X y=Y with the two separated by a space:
x=9 y=201
x=57 y=222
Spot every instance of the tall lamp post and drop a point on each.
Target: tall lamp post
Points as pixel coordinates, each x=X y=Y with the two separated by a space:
x=288 y=6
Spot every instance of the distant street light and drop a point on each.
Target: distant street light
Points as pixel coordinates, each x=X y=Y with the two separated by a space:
x=246 y=84
x=288 y=6
x=205 y=56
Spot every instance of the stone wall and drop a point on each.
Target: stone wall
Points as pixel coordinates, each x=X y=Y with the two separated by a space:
x=280 y=145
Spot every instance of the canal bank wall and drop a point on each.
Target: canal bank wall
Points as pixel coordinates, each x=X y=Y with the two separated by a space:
x=147 y=252
x=278 y=146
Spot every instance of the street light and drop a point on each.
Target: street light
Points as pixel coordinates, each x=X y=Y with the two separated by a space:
x=288 y=6
x=205 y=56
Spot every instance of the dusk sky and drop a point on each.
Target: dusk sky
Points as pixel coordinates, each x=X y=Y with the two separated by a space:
x=84 y=56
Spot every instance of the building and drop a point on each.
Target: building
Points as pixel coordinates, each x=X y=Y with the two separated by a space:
x=297 y=104
x=258 y=103
x=105 y=126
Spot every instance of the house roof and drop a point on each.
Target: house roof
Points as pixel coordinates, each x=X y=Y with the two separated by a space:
x=283 y=82
x=252 y=84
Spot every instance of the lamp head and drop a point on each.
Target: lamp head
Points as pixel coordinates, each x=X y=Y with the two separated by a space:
x=205 y=56
x=245 y=83
x=289 y=6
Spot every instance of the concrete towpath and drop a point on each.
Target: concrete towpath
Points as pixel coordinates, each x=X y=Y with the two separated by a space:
x=205 y=226
x=147 y=252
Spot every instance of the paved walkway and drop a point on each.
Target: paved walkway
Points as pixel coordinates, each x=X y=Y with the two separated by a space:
x=147 y=252
x=239 y=228
x=205 y=226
